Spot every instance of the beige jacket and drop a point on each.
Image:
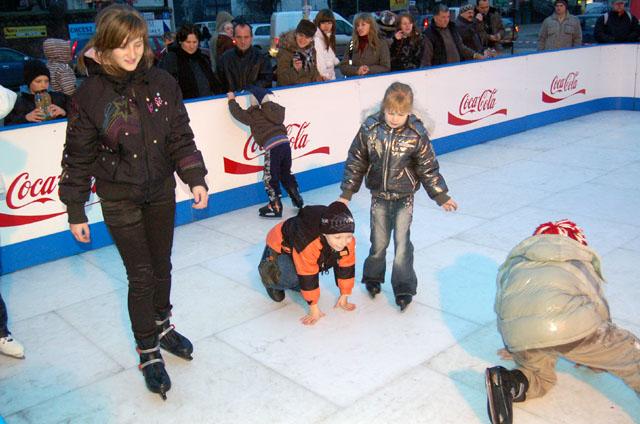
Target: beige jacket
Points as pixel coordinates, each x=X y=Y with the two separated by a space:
x=549 y=293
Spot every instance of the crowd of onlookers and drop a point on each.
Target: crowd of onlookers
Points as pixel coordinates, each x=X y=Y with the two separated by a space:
x=390 y=42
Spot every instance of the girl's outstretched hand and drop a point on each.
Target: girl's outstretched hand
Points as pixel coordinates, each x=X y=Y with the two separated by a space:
x=81 y=232
x=200 y=197
x=450 y=205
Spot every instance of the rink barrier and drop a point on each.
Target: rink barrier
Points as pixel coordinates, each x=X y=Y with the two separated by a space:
x=463 y=105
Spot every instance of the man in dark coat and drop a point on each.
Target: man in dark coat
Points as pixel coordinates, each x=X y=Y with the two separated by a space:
x=617 y=26
x=245 y=64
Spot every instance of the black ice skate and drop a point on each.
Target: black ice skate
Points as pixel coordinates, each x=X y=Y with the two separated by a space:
x=272 y=210
x=171 y=340
x=373 y=287
x=403 y=300
x=152 y=366
x=503 y=388
x=270 y=274
x=296 y=198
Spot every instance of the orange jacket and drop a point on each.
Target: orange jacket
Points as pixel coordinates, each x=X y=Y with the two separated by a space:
x=312 y=255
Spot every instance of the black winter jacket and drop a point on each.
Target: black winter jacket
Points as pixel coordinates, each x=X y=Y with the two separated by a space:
x=618 y=29
x=182 y=65
x=406 y=53
x=131 y=134
x=236 y=69
x=394 y=161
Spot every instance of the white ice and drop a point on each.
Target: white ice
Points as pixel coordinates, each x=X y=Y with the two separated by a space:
x=255 y=363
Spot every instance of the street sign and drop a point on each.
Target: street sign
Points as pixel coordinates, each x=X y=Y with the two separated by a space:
x=25 y=31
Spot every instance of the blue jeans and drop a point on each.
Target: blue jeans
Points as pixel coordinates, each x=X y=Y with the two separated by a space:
x=388 y=216
x=288 y=275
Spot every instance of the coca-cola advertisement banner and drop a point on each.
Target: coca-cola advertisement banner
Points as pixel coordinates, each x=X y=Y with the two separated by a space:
x=321 y=121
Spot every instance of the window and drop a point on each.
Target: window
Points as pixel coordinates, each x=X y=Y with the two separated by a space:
x=343 y=28
x=10 y=56
x=262 y=30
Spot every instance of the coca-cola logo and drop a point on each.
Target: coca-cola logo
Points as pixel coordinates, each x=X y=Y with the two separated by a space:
x=561 y=86
x=24 y=191
x=484 y=103
x=298 y=139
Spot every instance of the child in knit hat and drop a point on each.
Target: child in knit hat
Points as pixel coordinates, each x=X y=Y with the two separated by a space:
x=25 y=110
x=266 y=121
x=302 y=247
x=550 y=303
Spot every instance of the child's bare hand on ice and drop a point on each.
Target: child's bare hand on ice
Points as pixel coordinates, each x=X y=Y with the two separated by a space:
x=504 y=354
x=450 y=205
x=313 y=316
x=343 y=302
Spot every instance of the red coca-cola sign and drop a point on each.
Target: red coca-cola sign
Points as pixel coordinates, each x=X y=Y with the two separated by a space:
x=471 y=106
x=25 y=191
x=298 y=139
x=563 y=88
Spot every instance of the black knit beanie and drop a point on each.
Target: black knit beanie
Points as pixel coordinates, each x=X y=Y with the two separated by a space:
x=33 y=69
x=336 y=219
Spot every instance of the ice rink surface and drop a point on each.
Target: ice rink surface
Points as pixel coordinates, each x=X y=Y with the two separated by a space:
x=254 y=361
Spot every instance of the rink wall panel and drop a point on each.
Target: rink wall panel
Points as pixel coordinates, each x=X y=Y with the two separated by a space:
x=462 y=105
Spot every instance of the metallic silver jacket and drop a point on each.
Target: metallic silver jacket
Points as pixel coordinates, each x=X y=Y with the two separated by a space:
x=394 y=161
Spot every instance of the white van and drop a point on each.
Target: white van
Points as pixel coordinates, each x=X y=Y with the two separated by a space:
x=282 y=22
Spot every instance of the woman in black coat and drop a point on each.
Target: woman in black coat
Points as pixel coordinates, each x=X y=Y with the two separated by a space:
x=189 y=66
x=128 y=128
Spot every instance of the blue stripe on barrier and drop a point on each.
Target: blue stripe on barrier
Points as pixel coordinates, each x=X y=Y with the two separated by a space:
x=55 y=246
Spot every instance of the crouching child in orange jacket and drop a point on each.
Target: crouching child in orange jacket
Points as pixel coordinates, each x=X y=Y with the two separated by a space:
x=302 y=247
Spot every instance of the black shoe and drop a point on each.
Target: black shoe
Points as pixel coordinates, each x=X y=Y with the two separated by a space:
x=152 y=366
x=373 y=287
x=296 y=198
x=272 y=210
x=403 y=300
x=275 y=295
x=503 y=388
x=170 y=339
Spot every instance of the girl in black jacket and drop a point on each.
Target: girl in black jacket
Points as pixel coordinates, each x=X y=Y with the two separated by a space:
x=128 y=128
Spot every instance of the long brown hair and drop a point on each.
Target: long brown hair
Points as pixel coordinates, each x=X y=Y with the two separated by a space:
x=326 y=15
x=374 y=39
x=116 y=25
x=415 y=35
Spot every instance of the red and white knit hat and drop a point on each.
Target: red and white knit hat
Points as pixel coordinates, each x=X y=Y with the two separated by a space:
x=564 y=227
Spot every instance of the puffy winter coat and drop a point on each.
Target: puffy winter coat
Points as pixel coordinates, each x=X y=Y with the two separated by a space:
x=131 y=134
x=406 y=53
x=549 y=293
x=287 y=74
x=326 y=59
x=394 y=161
x=58 y=54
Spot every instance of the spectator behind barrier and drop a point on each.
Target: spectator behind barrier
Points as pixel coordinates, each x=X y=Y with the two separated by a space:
x=297 y=56
x=168 y=38
x=492 y=28
x=469 y=28
x=188 y=65
x=58 y=54
x=221 y=19
x=245 y=64
x=367 y=53
x=51 y=105
x=617 y=26
x=561 y=30
x=324 y=41
x=224 y=40
x=442 y=43
x=406 y=48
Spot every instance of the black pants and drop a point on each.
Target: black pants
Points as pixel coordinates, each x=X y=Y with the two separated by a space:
x=4 y=331
x=143 y=234
x=277 y=169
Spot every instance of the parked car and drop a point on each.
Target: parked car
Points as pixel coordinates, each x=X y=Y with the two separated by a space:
x=588 y=24
x=11 y=66
x=262 y=36
x=596 y=8
x=282 y=22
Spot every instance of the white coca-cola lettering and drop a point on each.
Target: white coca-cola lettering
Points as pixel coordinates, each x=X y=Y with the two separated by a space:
x=22 y=190
x=483 y=102
x=298 y=138
x=568 y=83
